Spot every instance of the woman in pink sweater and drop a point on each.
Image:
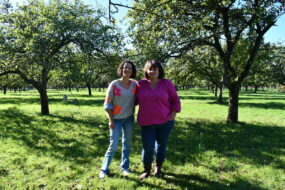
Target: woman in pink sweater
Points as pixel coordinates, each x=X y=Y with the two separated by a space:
x=158 y=104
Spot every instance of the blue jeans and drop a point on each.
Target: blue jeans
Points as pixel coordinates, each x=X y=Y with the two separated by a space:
x=155 y=137
x=125 y=125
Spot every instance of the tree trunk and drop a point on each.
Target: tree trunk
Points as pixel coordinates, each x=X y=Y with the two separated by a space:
x=216 y=91
x=255 y=89
x=212 y=89
x=246 y=88
x=44 y=101
x=89 y=90
x=5 y=89
x=220 y=98
x=233 y=104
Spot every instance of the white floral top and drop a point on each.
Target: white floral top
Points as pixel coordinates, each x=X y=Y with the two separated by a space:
x=120 y=99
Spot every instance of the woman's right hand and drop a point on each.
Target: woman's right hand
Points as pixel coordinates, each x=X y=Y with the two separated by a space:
x=111 y=124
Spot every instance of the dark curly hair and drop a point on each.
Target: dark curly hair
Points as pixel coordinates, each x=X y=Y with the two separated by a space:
x=121 y=66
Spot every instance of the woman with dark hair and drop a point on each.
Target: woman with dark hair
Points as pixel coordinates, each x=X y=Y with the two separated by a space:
x=119 y=106
x=158 y=104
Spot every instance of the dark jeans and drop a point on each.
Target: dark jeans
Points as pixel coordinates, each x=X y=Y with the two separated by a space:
x=155 y=137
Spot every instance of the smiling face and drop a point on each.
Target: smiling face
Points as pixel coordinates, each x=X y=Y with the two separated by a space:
x=152 y=72
x=127 y=70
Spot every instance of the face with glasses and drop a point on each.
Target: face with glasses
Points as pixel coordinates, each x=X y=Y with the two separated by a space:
x=127 y=70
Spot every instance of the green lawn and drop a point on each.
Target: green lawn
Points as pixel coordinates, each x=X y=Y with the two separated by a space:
x=65 y=149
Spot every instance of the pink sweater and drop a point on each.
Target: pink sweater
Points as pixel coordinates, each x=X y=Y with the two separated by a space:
x=156 y=105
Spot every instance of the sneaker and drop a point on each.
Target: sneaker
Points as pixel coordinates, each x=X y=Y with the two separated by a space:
x=102 y=174
x=126 y=172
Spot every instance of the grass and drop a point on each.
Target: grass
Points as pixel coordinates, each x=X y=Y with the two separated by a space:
x=65 y=149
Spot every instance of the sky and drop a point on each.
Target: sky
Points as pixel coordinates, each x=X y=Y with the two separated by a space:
x=274 y=35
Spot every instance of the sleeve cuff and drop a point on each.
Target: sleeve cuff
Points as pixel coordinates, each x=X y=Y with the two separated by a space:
x=108 y=107
x=176 y=109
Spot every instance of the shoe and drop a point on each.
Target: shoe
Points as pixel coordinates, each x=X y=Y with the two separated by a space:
x=102 y=174
x=157 y=172
x=146 y=172
x=126 y=172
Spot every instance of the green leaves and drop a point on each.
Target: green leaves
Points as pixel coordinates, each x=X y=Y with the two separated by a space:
x=36 y=35
x=40 y=30
x=169 y=30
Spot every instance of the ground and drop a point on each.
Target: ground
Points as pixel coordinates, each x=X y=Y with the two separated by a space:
x=65 y=149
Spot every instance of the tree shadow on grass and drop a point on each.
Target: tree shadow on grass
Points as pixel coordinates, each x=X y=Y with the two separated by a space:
x=16 y=101
x=257 y=144
x=53 y=100
x=81 y=140
x=262 y=98
x=267 y=105
x=92 y=102
x=225 y=99
x=252 y=144
x=190 y=181
x=212 y=98
x=261 y=93
x=181 y=181
x=44 y=135
x=82 y=95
